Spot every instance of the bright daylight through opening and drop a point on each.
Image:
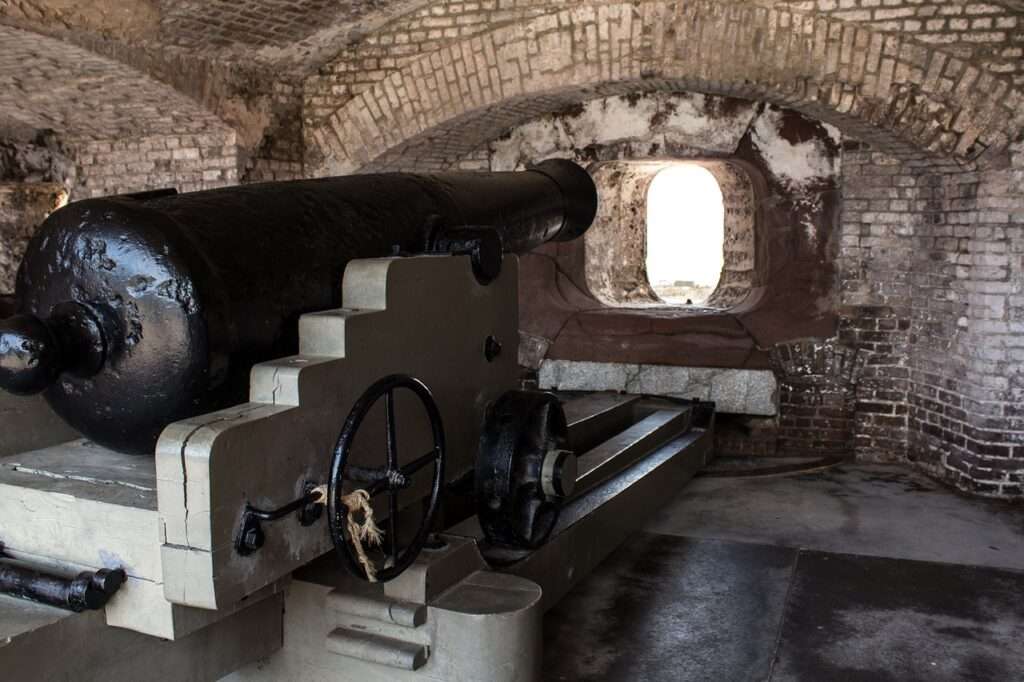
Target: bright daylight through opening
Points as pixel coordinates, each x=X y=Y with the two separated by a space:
x=685 y=234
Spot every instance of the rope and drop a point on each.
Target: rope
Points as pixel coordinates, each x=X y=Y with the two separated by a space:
x=367 y=531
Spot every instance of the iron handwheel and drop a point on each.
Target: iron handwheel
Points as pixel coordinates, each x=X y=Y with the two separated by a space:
x=390 y=479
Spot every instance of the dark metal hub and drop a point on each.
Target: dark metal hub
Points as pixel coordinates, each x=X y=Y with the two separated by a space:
x=524 y=469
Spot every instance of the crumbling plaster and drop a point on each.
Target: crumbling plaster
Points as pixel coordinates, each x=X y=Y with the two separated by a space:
x=788 y=294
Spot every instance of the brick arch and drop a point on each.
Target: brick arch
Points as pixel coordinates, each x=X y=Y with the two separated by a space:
x=102 y=126
x=48 y=84
x=877 y=87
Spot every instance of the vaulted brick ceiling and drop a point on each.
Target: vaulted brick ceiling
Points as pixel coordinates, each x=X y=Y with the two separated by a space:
x=49 y=85
x=264 y=31
x=301 y=34
x=213 y=24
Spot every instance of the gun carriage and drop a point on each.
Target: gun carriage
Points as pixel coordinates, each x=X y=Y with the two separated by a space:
x=272 y=380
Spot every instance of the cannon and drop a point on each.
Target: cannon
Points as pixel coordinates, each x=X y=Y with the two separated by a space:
x=349 y=478
x=137 y=311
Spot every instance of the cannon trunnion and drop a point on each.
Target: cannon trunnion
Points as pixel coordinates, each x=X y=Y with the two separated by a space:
x=138 y=311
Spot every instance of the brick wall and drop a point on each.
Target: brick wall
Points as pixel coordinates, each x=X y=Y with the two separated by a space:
x=419 y=32
x=882 y=206
x=23 y=206
x=931 y=289
x=120 y=130
x=279 y=156
x=186 y=162
x=987 y=33
x=925 y=362
x=877 y=85
x=818 y=390
x=983 y=31
x=965 y=417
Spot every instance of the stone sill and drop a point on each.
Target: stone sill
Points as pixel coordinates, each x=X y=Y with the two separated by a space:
x=735 y=391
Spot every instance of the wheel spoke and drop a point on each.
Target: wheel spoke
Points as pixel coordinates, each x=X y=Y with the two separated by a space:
x=364 y=475
x=389 y=415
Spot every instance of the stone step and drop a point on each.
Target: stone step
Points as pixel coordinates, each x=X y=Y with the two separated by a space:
x=378 y=608
x=373 y=648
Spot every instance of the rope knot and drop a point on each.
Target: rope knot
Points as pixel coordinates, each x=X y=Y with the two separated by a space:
x=367 y=531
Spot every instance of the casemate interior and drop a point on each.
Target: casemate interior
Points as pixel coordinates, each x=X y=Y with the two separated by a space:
x=511 y=340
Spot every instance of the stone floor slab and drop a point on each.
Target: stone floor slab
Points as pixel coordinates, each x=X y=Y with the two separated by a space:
x=870 y=509
x=866 y=619
x=664 y=609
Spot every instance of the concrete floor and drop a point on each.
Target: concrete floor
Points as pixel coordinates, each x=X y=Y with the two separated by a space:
x=860 y=572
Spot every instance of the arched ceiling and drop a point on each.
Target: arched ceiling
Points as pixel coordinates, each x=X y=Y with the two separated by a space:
x=289 y=33
x=46 y=84
x=247 y=61
x=291 y=36
x=443 y=105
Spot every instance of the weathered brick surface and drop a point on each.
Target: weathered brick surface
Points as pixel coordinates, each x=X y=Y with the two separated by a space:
x=987 y=33
x=990 y=34
x=280 y=153
x=267 y=31
x=186 y=162
x=878 y=86
x=932 y=281
x=930 y=295
x=880 y=211
x=969 y=409
x=121 y=130
x=215 y=24
x=22 y=207
x=46 y=83
x=818 y=384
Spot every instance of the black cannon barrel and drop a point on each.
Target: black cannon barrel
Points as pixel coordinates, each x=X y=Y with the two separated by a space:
x=137 y=311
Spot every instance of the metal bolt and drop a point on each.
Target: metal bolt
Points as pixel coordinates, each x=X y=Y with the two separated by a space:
x=310 y=514
x=435 y=543
x=254 y=538
x=108 y=581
